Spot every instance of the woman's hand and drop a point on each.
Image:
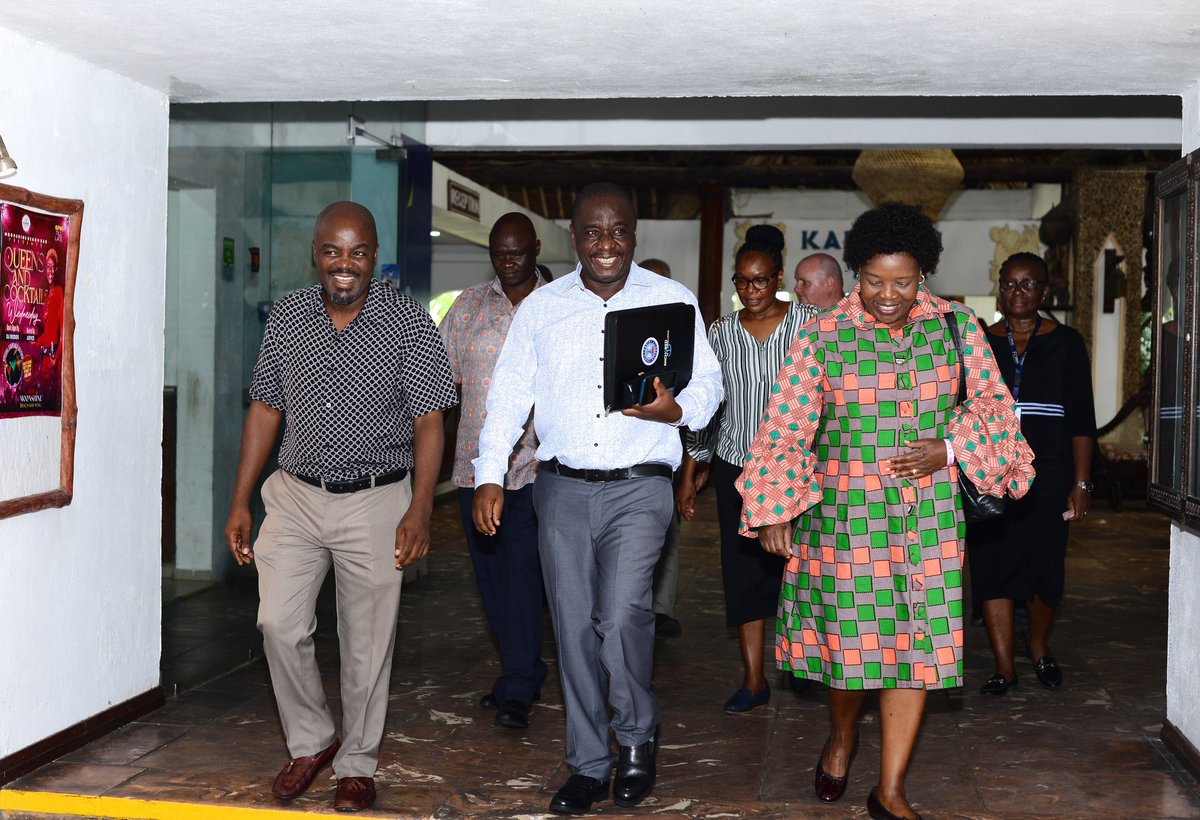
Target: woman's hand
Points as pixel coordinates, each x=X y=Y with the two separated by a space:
x=1079 y=501
x=776 y=538
x=925 y=456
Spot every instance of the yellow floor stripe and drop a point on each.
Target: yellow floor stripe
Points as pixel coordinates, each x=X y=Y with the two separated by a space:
x=128 y=808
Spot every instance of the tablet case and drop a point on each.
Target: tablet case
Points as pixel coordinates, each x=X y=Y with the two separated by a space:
x=642 y=343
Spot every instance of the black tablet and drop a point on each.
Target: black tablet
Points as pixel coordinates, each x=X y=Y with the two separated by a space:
x=643 y=343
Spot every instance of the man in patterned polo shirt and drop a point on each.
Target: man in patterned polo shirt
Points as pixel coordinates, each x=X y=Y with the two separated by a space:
x=507 y=569
x=357 y=376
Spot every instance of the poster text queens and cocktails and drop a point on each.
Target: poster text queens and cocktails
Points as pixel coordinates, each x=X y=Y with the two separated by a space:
x=33 y=261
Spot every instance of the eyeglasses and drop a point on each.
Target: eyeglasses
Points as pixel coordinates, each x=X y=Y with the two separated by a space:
x=760 y=283
x=1027 y=285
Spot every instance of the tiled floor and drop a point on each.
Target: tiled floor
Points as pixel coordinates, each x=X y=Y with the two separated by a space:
x=1088 y=750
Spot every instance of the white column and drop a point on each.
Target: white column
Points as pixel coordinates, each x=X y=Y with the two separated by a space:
x=1183 y=625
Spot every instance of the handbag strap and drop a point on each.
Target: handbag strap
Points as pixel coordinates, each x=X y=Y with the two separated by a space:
x=952 y=326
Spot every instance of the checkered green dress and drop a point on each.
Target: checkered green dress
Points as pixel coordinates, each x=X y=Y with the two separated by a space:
x=872 y=595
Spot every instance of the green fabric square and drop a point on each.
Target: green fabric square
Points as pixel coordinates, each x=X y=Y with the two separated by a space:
x=849 y=629
x=939 y=626
x=887 y=626
x=935 y=596
x=872 y=670
x=862 y=584
x=878 y=539
x=884 y=598
x=887 y=409
x=866 y=613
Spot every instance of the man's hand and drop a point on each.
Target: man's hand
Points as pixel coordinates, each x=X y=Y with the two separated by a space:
x=692 y=479
x=412 y=537
x=487 y=506
x=237 y=535
x=664 y=408
x=776 y=538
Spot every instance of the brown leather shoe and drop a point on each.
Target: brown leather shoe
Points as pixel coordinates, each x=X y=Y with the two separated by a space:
x=354 y=793
x=294 y=779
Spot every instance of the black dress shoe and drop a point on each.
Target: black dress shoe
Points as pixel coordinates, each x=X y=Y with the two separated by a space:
x=489 y=701
x=828 y=787
x=998 y=685
x=513 y=714
x=578 y=794
x=878 y=812
x=666 y=627
x=1048 y=672
x=635 y=773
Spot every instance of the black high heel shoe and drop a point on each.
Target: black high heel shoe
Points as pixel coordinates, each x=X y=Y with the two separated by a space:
x=828 y=787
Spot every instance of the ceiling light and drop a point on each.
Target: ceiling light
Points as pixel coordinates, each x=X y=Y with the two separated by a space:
x=435 y=233
x=8 y=166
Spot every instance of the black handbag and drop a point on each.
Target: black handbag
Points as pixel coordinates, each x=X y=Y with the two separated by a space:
x=976 y=505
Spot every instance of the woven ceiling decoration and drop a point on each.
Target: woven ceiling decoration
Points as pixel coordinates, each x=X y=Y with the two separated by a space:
x=924 y=177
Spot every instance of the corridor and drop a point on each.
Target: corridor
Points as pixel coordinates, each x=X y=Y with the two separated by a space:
x=1090 y=749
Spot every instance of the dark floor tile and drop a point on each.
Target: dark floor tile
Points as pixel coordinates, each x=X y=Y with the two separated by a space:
x=1088 y=749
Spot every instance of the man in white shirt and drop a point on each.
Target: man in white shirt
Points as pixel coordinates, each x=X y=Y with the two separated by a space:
x=819 y=284
x=603 y=494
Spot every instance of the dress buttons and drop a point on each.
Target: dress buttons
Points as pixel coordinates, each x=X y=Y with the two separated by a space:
x=596 y=444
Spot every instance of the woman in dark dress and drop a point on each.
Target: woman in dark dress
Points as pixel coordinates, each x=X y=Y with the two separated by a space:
x=1020 y=556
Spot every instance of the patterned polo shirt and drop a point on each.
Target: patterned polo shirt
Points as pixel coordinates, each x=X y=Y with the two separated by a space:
x=474 y=331
x=349 y=398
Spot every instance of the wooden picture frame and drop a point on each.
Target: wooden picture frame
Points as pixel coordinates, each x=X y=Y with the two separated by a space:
x=72 y=210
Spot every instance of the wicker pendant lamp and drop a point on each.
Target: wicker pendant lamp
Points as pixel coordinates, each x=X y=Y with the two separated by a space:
x=924 y=177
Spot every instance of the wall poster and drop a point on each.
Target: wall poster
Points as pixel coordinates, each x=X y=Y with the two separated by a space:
x=39 y=255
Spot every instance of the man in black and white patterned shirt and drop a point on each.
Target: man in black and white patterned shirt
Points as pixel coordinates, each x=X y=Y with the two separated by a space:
x=357 y=376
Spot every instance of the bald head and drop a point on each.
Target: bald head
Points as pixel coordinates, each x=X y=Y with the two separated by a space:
x=656 y=266
x=515 y=223
x=344 y=211
x=819 y=281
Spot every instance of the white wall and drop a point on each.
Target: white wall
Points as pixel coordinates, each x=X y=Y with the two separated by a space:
x=79 y=587
x=1183 y=618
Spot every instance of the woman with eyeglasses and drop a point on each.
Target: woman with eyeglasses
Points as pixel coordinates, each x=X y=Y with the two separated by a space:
x=750 y=345
x=1021 y=555
x=860 y=445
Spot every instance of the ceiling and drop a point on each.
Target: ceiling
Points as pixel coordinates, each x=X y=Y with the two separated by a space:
x=461 y=49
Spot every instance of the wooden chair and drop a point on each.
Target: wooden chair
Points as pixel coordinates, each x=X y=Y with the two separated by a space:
x=1117 y=468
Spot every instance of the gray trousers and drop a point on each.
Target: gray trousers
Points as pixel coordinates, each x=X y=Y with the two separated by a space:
x=599 y=543
x=307 y=530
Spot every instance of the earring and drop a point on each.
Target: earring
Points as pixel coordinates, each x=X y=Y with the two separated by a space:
x=921 y=281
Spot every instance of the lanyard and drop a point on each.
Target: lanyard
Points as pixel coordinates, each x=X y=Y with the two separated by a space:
x=1019 y=361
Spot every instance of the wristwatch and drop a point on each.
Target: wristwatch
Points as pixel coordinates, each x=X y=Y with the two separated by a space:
x=1086 y=486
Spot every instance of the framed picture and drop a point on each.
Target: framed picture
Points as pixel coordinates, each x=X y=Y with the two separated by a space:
x=39 y=258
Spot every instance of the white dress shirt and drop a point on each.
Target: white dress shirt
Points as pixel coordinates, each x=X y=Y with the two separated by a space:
x=553 y=361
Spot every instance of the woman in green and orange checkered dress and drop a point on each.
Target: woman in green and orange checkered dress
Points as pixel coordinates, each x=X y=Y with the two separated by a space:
x=861 y=445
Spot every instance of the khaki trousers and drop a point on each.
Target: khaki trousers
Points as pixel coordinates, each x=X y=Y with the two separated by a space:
x=307 y=530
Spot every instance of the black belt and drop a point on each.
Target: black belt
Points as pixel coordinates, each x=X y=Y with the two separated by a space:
x=650 y=468
x=355 y=485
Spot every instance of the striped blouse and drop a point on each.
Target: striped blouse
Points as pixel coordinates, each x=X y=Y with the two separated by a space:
x=748 y=370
